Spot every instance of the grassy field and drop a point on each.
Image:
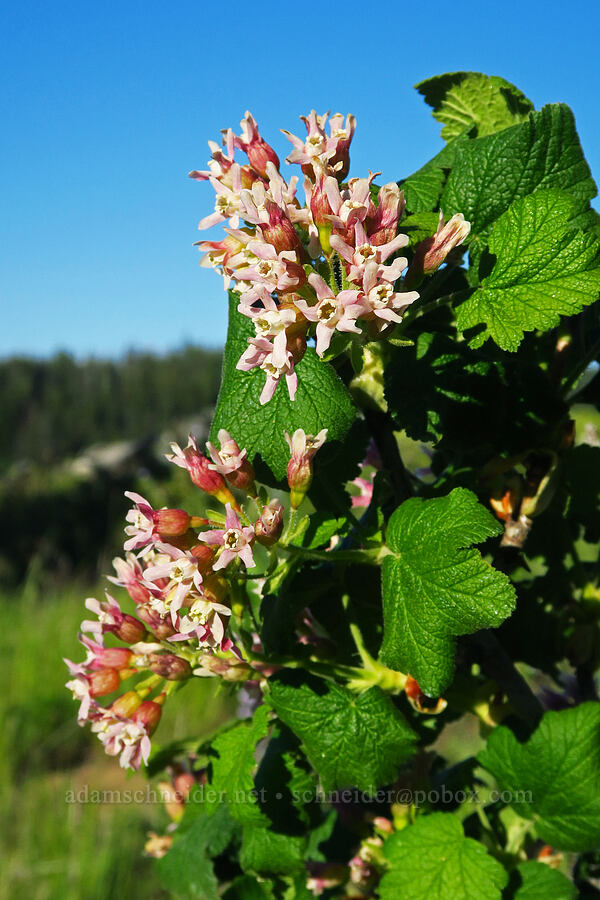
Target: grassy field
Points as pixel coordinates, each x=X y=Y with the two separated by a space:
x=51 y=848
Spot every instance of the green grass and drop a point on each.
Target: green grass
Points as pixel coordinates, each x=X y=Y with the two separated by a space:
x=51 y=849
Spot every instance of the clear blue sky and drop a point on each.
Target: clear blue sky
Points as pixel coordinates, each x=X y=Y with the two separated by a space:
x=107 y=106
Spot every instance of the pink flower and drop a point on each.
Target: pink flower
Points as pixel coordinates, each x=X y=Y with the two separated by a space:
x=181 y=570
x=235 y=540
x=299 y=469
x=110 y=618
x=277 y=271
x=130 y=575
x=352 y=204
x=200 y=470
x=380 y=296
x=258 y=150
x=204 y=621
x=231 y=462
x=124 y=738
x=318 y=146
x=141 y=528
x=365 y=252
x=274 y=362
x=332 y=312
x=315 y=144
x=269 y=525
x=86 y=686
x=383 y=220
x=432 y=252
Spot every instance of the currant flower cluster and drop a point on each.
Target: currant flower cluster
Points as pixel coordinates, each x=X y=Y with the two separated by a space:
x=309 y=270
x=181 y=580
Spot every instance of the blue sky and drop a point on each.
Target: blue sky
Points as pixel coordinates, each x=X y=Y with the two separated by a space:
x=106 y=107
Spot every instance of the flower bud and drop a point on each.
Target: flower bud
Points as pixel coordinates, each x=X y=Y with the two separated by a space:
x=126 y=704
x=269 y=526
x=205 y=556
x=201 y=471
x=103 y=681
x=279 y=230
x=130 y=630
x=160 y=628
x=299 y=470
x=232 y=463
x=148 y=714
x=169 y=666
x=111 y=658
x=171 y=522
x=431 y=253
x=229 y=669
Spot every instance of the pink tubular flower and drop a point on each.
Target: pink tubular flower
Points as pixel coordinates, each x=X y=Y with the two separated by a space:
x=299 y=469
x=339 y=142
x=125 y=738
x=141 y=529
x=227 y=202
x=383 y=301
x=364 y=252
x=148 y=525
x=200 y=470
x=383 y=220
x=235 y=540
x=110 y=618
x=277 y=271
x=432 y=252
x=269 y=525
x=86 y=686
x=181 y=570
x=332 y=149
x=332 y=312
x=274 y=363
x=130 y=575
x=315 y=145
x=204 y=621
x=352 y=204
x=259 y=152
x=101 y=657
x=231 y=462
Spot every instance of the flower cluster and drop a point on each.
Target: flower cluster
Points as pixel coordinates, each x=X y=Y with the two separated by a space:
x=327 y=266
x=178 y=570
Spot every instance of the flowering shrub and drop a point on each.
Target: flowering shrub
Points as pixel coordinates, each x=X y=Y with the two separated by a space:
x=397 y=542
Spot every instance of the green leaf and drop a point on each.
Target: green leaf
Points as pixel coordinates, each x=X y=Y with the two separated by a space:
x=554 y=777
x=537 y=881
x=433 y=858
x=463 y=100
x=186 y=870
x=248 y=888
x=352 y=740
x=491 y=172
x=442 y=390
x=544 y=269
x=233 y=769
x=264 y=851
x=420 y=226
x=321 y=401
x=319 y=528
x=422 y=189
x=435 y=589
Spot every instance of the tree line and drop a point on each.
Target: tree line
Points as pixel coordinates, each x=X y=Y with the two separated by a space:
x=51 y=409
